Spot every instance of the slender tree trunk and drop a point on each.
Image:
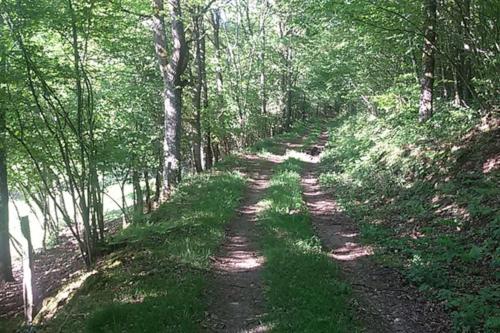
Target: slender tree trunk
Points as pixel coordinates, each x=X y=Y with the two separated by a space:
x=84 y=178
x=218 y=57
x=158 y=178
x=216 y=152
x=5 y=259
x=463 y=69
x=262 y=58
x=286 y=54
x=197 y=22
x=171 y=70
x=209 y=155
x=215 y=18
x=148 y=192
x=428 y=61
x=139 y=198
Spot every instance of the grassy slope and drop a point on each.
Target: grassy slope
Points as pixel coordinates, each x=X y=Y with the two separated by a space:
x=156 y=282
x=303 y=290
x=424 y=194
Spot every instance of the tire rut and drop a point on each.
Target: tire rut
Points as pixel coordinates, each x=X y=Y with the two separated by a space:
x=384 y=300
x=237 y=298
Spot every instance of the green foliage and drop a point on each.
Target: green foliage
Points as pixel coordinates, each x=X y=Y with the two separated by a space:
x=154 y=283
x=421 y=196
x=303 y=288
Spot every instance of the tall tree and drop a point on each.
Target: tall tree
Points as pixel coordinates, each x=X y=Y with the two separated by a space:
x=5 y=260
x=171 y=69
x=198 y=86
x=428 y=61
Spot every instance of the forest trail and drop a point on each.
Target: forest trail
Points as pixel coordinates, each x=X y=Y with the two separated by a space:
x=236 y=302
x=237 y=298
x=385 y=302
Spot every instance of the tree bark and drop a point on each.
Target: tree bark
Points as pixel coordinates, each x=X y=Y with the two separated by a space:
x=171 y=69
x=5 y=259
x=215 y=20
x=428 y=61
x=209 y=156
x=463 y=69
x=148 y=192
x=262 y=58
x=139 y=199
x=197 y=22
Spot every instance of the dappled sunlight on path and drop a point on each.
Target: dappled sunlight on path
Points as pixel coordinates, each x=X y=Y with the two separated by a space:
x=325 y=210
x=236 y=300
x=385 y=301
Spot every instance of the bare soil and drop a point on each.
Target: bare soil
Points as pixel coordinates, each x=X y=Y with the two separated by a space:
x=384 y=300
x=51 y=269
x=236 y=302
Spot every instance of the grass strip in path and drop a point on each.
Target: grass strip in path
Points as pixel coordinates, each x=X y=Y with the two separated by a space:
x=303 y=290
x=155 y=283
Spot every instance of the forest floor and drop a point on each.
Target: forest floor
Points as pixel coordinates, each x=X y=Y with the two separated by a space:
x=385 y=301
x=260 y=244
x=52 y=269
x=382 y=299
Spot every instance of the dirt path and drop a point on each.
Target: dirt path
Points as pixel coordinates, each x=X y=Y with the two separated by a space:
x=385 y=301
x=236 y=302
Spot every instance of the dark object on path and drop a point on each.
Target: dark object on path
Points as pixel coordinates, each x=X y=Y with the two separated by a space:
x=314 y=151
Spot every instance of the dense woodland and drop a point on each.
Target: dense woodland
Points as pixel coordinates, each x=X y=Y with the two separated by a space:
x=99 y=93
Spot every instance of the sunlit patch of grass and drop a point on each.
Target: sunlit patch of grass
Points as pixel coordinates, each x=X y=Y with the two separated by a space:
x=158 y=283
x=275 y=145
x=314 y=130
x=303 y=288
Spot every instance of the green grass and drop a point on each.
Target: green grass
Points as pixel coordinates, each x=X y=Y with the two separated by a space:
x=314 y=129
x=274 y=145
x=155 y=282
x=422 y=198
x=303 y=289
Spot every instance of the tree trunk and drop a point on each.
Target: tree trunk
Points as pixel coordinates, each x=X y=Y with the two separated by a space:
x=158 y=178
x=215 y=18
x=463 y=69
x=262 y=58
x=148 y=192
x=197 y=22
x=139 y=200
x=171 y=71
x=5 y=259
x=286 y=54
x=216 y=150
x=209 y=155
x=28 y=279
x=428 y=61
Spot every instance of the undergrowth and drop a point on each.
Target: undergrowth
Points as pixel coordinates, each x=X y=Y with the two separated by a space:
x=428 y=196
x=154 y=282
x=303 y=289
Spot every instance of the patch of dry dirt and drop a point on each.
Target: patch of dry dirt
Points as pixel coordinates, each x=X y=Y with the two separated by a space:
x=236 y=302
x=384 y=300
x=51 y=270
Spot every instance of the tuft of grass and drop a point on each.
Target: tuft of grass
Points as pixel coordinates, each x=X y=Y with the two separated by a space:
x=155 y=282
x=303 y=288
x=422 y=197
